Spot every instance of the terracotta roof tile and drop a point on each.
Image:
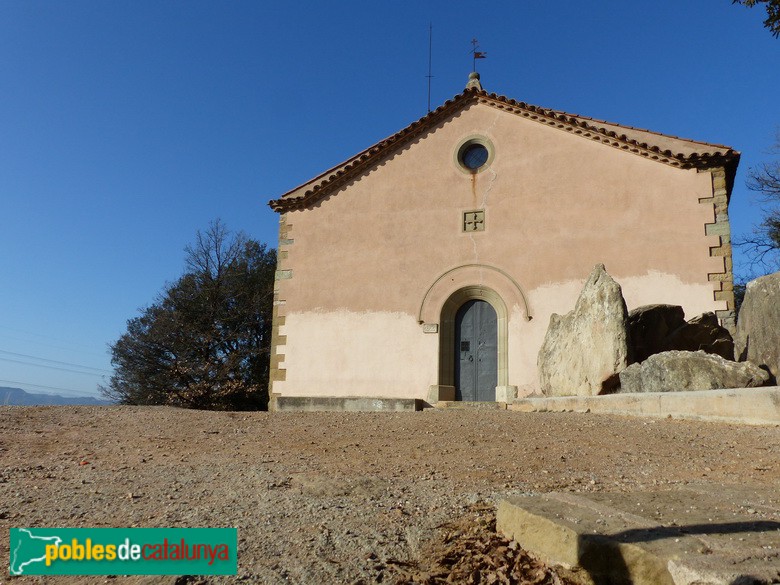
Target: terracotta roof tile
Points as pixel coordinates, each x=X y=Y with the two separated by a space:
x=671 y=150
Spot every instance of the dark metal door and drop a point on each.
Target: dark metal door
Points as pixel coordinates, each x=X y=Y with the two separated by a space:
x=476 y=352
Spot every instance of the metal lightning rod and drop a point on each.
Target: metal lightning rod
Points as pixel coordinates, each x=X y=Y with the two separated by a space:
x=430 y=55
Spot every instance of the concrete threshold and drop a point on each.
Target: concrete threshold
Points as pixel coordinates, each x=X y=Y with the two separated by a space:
x=471 y=405
x=695 y=535
x=759 y=406
x=344 y=404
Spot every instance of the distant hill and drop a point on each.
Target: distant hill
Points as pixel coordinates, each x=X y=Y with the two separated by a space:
x=18 y=397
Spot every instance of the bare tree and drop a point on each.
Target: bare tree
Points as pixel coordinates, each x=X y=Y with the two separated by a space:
x=763 y=245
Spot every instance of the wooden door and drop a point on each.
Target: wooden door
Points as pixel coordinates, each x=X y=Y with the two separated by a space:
x=476 y=352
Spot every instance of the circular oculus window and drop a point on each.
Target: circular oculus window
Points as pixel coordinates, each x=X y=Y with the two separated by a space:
x=474 y=155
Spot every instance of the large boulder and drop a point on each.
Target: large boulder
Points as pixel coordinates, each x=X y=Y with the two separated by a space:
x=657 y=328
x=650 y=325
x=678 y=371
x=702 y=333
x=758 y=324
x=585 y=349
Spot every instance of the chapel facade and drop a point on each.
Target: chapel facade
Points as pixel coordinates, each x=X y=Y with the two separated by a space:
x=427 y=266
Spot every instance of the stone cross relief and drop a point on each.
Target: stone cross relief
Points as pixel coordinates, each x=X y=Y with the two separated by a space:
x=474 y=221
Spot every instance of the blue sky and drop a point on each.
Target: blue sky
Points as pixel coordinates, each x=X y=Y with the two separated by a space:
x=127 y=126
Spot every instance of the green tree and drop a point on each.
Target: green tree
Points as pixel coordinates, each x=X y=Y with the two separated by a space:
x=772 y=21
x=205 y=342
x=763 y=245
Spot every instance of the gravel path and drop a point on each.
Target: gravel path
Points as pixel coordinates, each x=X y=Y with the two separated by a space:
x=339 y=497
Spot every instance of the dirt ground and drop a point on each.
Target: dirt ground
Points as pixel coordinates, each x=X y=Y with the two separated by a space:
x=344 y=497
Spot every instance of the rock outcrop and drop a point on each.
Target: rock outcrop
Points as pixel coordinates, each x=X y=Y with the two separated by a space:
x=657 y=328
x=702 y=333
x=758 y=324
x=584 y=350
x=677 y=371
x=650 y=325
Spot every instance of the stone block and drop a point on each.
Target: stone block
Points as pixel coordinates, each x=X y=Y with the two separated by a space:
x=683 y=536
x=438 y=393
x=506 y=393
x=716 y=229
x=755 y=406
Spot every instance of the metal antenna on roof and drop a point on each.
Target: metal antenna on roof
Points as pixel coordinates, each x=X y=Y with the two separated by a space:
x=430 y=55
x=476 y=54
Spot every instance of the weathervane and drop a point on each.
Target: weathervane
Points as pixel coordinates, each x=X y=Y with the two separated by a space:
x=477 y=54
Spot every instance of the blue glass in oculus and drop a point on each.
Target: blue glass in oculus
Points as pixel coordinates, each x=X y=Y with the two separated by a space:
x=474 y=156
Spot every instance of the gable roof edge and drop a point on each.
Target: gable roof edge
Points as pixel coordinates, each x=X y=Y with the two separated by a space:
x=588 y=128
x=337 y=174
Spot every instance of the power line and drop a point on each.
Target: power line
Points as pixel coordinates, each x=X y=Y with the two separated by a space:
x=103 y=370
x=52 y=367
x=87 y=349
x=47 y=387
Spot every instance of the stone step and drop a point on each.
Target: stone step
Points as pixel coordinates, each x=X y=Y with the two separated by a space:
x=760 y=406
x=684 y=536
x=344 y=404
x=461 y=404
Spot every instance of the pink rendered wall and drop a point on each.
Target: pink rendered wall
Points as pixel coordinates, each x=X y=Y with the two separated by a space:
x=555 y=204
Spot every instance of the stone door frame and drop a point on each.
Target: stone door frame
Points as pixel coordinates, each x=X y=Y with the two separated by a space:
x=447 y=335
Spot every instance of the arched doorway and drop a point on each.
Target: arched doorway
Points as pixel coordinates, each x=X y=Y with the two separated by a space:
x=476 y=352
x=450 y=339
